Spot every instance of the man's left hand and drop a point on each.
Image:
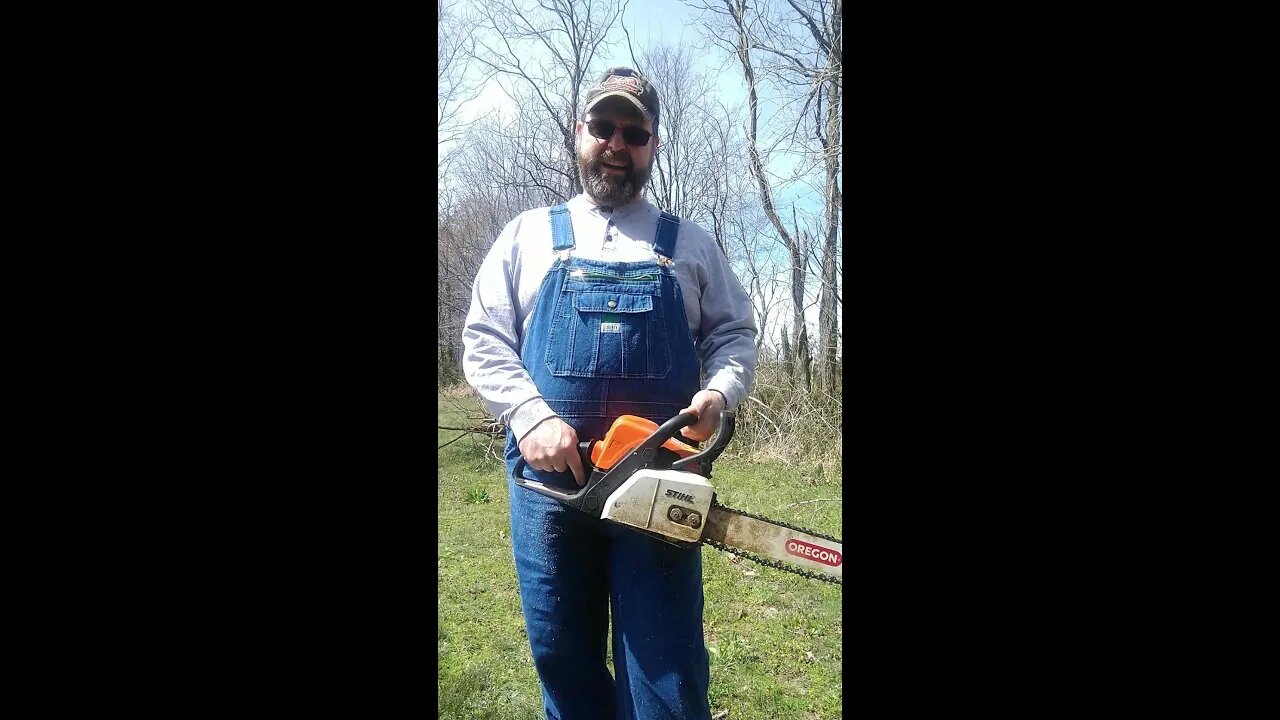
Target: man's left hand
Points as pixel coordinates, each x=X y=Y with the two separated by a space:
x=707 y=405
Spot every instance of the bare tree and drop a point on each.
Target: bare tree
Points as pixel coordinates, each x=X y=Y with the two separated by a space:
x=547 y=47
x=683 y=180
x=795 y=48
x=756 y=264
x=695 y=170
x=823 y=21
x=739 y=21
x=492 y=183
x=456 y=81
x=804 y=42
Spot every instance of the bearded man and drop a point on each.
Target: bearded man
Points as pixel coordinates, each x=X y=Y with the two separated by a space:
x=599 y=307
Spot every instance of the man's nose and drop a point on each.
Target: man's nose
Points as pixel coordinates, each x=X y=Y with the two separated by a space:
x=616 y=142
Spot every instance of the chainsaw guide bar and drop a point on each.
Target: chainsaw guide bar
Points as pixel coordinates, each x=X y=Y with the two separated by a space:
x=719 y=535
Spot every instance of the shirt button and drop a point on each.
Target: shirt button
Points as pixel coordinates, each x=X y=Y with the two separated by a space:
x=613 y=303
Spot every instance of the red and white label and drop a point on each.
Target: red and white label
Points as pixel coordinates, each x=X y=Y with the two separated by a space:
x=809 y=551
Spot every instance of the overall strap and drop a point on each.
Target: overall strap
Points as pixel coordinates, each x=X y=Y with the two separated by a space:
x=664 y=241
x=561 y=229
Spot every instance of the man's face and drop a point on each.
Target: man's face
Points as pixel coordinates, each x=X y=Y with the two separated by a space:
x=613 y=171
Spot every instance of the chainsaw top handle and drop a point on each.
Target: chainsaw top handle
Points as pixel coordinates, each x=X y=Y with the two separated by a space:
x=704 y=459
x=591 y=497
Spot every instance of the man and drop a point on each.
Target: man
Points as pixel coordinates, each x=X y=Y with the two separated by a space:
x=580 y=313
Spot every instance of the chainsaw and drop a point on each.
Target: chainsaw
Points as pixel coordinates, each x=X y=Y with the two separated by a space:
x=644 y=478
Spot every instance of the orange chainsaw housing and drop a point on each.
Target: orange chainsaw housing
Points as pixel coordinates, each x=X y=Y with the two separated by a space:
x=624 y=435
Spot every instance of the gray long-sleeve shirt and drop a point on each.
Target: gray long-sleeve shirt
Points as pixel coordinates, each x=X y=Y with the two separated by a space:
x=719 y=312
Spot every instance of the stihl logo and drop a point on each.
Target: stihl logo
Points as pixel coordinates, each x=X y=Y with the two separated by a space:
x=680 y=496
x=800 y=548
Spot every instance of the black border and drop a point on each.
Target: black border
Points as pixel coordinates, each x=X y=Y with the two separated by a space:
x=264 y=281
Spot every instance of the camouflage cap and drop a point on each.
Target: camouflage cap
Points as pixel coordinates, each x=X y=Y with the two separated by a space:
x=623 y=82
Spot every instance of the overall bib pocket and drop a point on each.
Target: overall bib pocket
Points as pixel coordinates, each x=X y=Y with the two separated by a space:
x=608 y=333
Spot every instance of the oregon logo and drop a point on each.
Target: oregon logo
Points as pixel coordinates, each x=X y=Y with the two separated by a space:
x=800 y=548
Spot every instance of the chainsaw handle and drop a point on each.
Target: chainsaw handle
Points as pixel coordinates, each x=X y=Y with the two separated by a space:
x=591 y=496
x=668 y=430
x=531 y=484
x=708 y=456
x=584 y=453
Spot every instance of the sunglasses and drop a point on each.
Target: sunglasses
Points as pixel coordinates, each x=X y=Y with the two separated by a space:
x=604 y=130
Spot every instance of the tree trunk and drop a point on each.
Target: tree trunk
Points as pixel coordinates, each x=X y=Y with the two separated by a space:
x=738 y=11
x=786 y=355
x=797 y=285
x=827 y=308
x=803 y=359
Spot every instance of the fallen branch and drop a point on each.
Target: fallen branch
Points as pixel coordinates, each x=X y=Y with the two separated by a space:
x=481 y=429
x=452 y=441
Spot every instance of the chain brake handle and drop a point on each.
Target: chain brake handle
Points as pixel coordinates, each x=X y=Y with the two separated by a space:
x=600 y=485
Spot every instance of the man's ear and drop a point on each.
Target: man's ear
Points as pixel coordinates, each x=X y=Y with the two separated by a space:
x=577 y=128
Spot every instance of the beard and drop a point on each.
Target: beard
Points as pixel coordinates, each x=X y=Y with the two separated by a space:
x=612 y=189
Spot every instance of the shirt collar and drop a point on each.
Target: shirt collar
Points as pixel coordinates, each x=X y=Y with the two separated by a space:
x=586 y=203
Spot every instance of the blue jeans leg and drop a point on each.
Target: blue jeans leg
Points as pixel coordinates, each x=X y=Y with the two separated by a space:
x=659 y=655
x=560 y=557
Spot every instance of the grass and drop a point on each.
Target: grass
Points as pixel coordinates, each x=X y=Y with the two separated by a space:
x=775 y=639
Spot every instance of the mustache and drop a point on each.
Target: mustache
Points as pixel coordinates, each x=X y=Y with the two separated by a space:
x=616 y=158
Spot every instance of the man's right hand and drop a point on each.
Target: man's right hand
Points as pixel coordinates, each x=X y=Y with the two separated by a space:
x=552 y=446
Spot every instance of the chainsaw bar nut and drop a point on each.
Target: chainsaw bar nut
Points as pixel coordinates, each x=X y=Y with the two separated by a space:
x=684 y=517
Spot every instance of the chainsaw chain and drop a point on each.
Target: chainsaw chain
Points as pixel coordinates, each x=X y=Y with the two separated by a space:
x=776 y=564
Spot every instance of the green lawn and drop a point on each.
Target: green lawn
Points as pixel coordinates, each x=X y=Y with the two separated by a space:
x=775 y=638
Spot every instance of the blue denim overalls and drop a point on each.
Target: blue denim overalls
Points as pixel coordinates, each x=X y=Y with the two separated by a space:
x=608 y=339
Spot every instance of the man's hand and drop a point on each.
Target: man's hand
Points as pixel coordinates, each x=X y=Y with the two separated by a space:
x=707 y=405
x=552 y=445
